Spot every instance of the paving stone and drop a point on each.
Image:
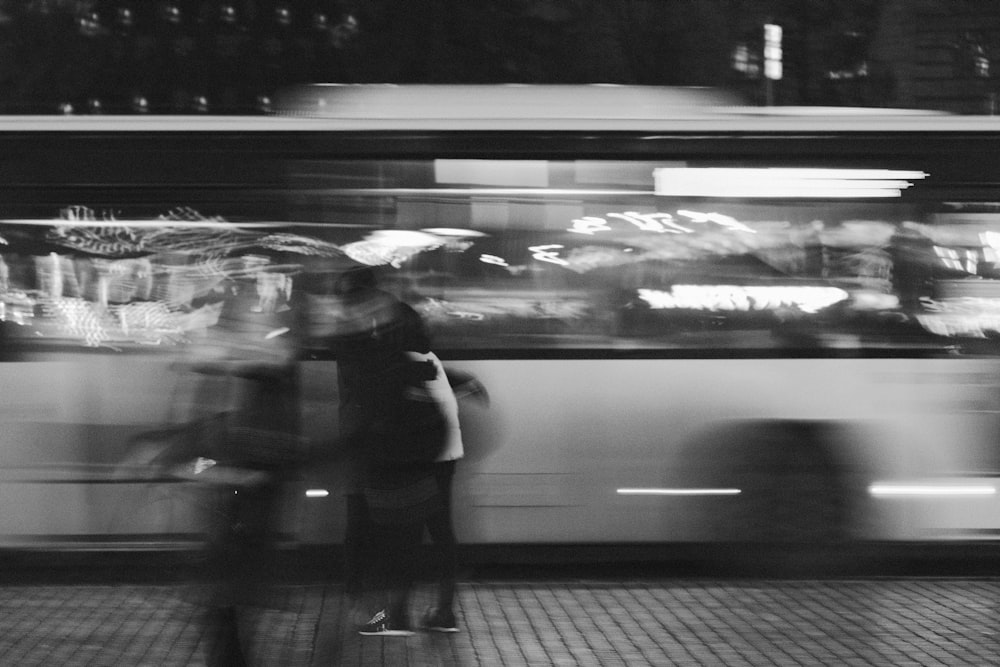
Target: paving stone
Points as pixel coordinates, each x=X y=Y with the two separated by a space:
x=682 y=622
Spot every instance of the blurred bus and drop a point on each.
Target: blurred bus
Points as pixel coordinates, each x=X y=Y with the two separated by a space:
x=698 y=322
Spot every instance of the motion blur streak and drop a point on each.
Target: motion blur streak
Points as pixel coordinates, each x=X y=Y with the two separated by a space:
x=808 y=299
x=679 y=492
x=890 y=490
x=778 y=183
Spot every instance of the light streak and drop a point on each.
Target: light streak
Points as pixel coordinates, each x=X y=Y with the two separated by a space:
x=657 y=222
x=317 y=493
x=453 y=231
x=679 y=492
x=807 y=298
x=544 y=253
x=782 y=182
x=390 y=246
x=726 y=221
x=898 y=490
x=652 y=222
x=964 y=316
x=588 y=225
x=493 y=259
x=202 y=464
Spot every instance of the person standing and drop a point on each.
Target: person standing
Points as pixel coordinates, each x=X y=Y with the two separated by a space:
x=443 y=390
x=441 y=618
x=393 y=438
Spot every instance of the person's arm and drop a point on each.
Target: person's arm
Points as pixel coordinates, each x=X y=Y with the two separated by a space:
x=467 y=385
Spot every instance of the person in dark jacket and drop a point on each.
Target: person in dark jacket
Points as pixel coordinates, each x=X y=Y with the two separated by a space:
x=393 y=442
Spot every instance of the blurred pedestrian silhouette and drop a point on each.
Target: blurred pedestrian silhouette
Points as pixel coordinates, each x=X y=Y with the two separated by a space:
x=250 y=449
x=254 y=448
x=239 y=442
x=395 y=434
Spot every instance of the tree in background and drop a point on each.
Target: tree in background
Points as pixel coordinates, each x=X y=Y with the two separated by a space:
x=232 y=56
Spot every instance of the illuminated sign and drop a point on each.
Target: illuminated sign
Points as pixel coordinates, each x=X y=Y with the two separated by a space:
x=772 y=51
x=659 y=223
x=547 y=253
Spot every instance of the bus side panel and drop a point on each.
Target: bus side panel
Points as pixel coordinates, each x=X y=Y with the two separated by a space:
x=568 y=439
x=719 y=449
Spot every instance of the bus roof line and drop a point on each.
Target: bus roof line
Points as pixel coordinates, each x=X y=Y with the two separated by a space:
x=707 y=123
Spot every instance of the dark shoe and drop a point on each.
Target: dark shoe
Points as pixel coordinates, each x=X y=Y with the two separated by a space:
x=381 y=625
x=439 y=621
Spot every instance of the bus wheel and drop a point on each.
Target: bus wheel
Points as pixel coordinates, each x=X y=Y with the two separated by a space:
x=795 y=507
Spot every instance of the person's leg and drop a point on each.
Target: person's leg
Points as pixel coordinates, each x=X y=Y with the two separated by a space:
x=399 y=502
x=442 y=533
x=222 y=638
x=394 y=545
x=356 y=541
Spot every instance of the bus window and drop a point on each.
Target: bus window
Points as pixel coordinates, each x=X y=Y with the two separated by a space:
x=551 y=255
x=522 y=255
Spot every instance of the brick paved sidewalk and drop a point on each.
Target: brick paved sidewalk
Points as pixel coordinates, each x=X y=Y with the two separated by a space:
x=873 y=622
x=137 y=625
x=683 y=622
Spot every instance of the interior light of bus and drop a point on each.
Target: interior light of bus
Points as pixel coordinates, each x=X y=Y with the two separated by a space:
x=466 y=192
x=948 y=257
x=971 y=262
x=679 y=492
x=990 y=240
x=453 y=232
x=783 y=190
x=504 y=173
x=891 y=490
x=870 y=300
x=959 y=260
x=390 y=246
x=782 y=182
x=807 y=298
x=370 y=254
x=317 y=493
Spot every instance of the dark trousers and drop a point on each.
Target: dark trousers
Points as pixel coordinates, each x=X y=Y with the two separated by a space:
x=394 y=567
x=239 y=566
x=385 y=552
x=442 y=533
x=385 y=525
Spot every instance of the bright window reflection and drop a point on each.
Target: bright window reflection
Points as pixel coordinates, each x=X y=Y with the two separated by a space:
x=783 y=183
x=593 y=260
